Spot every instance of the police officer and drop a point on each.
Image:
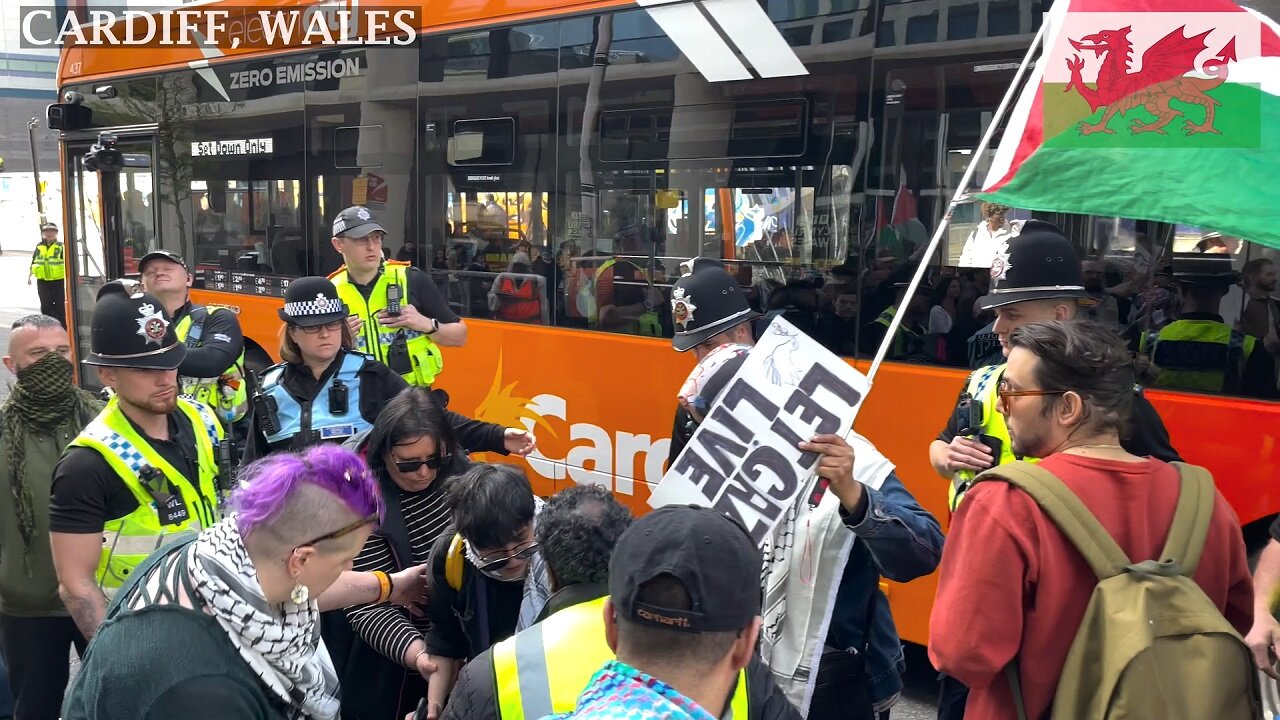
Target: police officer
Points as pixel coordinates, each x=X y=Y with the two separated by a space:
x=1199 y=351
x=324 y=390
x=1035 y=277
x=144 y=473
x=708 y=309
x=49 y=268
x=213 y=370
x=397 y=314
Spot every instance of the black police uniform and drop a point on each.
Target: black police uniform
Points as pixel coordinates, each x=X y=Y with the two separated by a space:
x=292 y=409
x=704 y=303
x=1040 y=264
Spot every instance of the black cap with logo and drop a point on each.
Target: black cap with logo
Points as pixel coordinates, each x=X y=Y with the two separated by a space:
x=162 y=255
x=131 y=329
x=1037 y=264
x=706 y=551
x=356 y=222
x=311 y=301
x=1207 y=269
x=706 y=302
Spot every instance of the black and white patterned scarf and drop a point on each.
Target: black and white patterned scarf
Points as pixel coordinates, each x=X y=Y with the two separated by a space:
x=281 y=643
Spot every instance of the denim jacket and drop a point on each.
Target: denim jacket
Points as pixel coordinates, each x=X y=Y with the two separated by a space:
x=902 y=541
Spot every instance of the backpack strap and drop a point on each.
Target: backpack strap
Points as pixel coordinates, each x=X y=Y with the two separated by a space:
x=1099 y=549
x=1191 y=518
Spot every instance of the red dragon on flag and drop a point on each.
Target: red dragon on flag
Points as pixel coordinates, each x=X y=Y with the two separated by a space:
x=1163 y=78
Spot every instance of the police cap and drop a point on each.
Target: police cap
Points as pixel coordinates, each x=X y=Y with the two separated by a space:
x=1208 y=269
x=312 y=301
x=131 y=329
x=1038 y=264
x=706 y=302
x=355 y=222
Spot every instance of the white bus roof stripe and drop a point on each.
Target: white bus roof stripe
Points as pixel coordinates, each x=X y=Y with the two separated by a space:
x=749 y=27
x=690 y=30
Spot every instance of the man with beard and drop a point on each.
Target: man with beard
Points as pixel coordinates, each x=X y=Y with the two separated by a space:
x=1261 y=317
x=1104 y=308
x=143 y=474
x=43 y=413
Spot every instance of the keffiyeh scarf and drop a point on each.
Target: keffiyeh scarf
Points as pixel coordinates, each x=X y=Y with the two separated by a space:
x=280 y=643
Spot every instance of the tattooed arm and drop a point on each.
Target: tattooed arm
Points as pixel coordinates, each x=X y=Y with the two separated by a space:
x=75 y=557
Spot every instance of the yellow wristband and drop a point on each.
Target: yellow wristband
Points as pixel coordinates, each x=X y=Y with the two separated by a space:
x=384 y=586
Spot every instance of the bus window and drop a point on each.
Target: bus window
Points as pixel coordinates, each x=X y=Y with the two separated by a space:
x=350 y=158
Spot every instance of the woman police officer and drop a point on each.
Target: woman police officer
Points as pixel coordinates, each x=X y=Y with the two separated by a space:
x=326 y=392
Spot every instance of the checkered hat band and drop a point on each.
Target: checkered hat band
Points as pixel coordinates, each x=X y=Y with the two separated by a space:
x=319 y=306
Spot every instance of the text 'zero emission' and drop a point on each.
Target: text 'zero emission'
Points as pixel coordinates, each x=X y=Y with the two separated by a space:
x=296 y=73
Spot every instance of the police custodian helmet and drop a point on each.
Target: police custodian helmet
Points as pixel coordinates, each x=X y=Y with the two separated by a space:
x=1038 y=264
x=131 y=329
x=312 y=301
x=706 y=302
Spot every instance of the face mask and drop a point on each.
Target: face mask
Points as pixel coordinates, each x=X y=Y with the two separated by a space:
x=47 y=378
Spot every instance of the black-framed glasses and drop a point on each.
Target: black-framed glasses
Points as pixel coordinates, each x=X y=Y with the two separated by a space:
x=343 y=530
x=335 y=326
x=433 y=463
x=1005 y=392
x=491 y=564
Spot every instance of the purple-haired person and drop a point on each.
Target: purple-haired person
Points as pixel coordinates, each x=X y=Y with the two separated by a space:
x=227 y=625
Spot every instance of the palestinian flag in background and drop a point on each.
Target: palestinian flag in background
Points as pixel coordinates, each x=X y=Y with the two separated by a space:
x=1164 y=110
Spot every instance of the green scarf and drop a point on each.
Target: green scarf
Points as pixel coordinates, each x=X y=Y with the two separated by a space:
x=42 y=400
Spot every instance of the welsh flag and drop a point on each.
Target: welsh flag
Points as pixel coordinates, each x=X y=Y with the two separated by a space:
x=1165 y=110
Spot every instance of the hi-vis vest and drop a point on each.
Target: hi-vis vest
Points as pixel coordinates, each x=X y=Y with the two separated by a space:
x=1202 y=355
x=983 y=384
x=127 y=541
x=543 y=669
x=47 y=264
x=907 y=341
x=227 y=394
x=588 y=305
x=316 y=416
x=374 y=338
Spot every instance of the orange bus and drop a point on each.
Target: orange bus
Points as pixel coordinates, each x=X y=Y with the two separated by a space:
x=811 y=145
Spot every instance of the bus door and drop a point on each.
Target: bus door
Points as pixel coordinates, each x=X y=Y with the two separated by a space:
x=105 y=235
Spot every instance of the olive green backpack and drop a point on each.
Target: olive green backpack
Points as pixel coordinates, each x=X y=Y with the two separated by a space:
x=1151 y=644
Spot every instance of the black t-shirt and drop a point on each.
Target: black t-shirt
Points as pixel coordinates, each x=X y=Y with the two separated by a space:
x=1146 y=436
x=87 y=493
x=423 y=295
x=221 y=343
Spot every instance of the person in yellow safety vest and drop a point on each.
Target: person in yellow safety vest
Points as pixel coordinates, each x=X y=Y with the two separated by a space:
x=144 y=473
x=397 y=313
x=1036 y=276
x=544 y=668
x=48 y=267
x=1199 y=351
x=213 y=370
x=678 y=619
x=910 y=342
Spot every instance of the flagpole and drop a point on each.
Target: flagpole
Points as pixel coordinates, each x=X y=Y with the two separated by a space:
x=983 y=144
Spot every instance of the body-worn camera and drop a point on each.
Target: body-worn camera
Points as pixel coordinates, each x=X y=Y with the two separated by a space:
x=338 y=397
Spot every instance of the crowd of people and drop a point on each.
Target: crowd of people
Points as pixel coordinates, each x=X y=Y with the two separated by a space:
x=356 y=563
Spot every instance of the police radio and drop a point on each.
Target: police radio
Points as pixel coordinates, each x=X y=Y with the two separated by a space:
x=393 y=299
x=338 y=397
x=265 y=409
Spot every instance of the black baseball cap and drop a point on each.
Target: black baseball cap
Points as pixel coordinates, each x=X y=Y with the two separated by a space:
x=706 y=302
x=162 y=255
x=356 y=221
x=709 y=553
x=1038 y=264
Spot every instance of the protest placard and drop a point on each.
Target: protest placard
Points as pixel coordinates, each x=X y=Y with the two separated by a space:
x=744 y=458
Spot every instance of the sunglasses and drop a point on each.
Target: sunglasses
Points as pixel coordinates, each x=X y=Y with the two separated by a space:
x=1005 y=392
x=490 y=564
x=372 y=519
x=433 y=463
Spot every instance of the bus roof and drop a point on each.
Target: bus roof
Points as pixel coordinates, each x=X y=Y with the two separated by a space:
x=242 y=19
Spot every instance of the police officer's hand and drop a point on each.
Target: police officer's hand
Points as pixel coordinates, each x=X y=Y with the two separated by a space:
x=519 y=442
x=966 y=454
x=410 y=589
x=836 y=465
x=1264 y=642
x=409 y=318
x=355 y=323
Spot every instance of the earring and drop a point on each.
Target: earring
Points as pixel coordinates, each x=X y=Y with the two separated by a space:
x=300 y=594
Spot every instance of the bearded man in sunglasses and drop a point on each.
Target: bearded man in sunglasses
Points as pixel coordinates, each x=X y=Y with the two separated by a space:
x=476 y=576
